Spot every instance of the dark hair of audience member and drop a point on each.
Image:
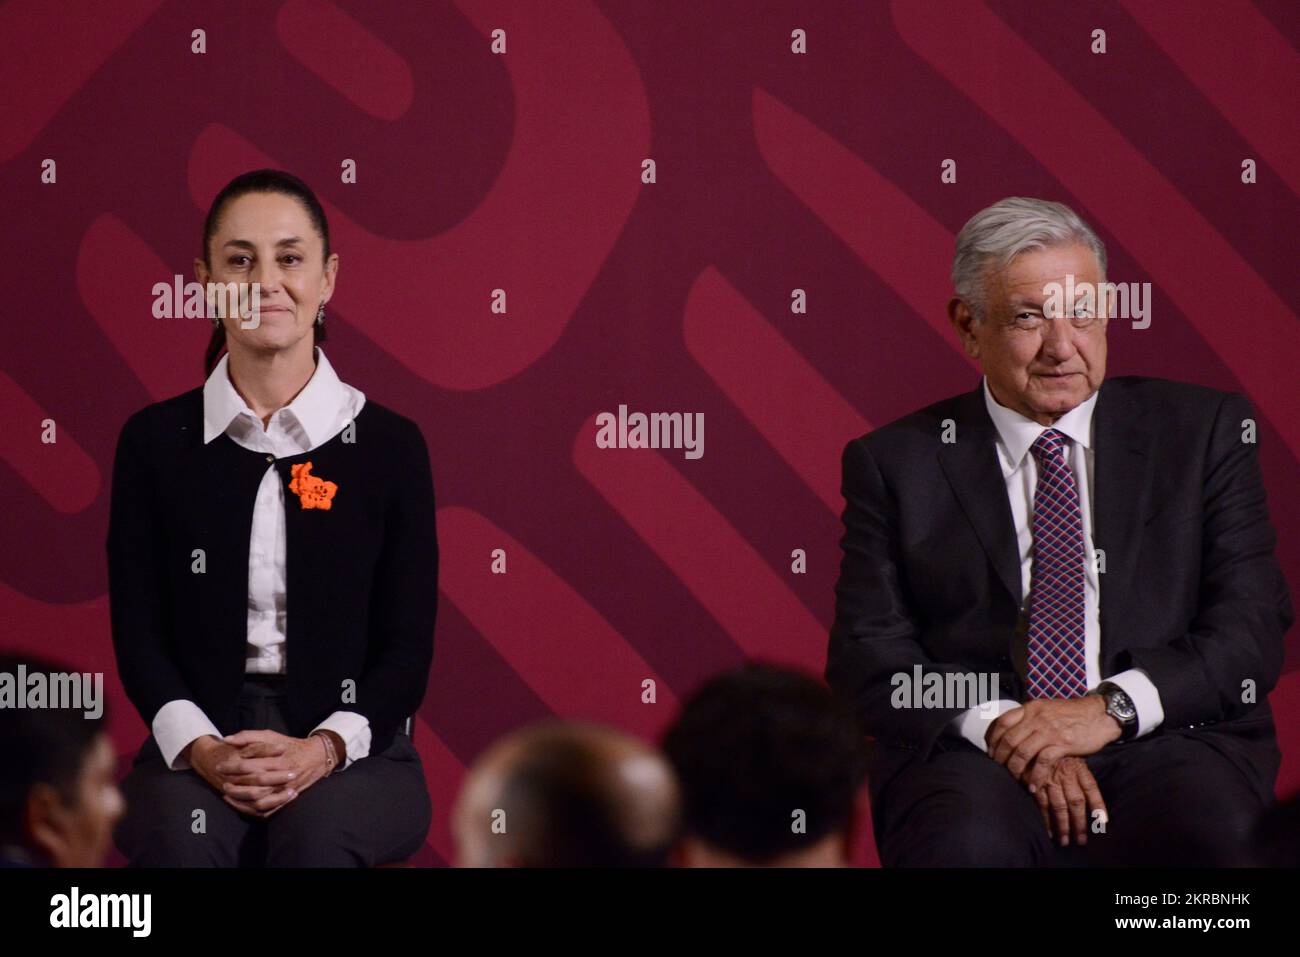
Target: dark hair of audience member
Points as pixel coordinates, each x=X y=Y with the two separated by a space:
x=753 y=745
x=42 y=745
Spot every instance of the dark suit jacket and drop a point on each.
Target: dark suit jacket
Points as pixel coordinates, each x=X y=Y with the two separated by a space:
x=1191 y=593
x=361 y=577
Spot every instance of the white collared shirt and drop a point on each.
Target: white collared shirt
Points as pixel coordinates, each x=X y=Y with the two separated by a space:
x=1016 y=435
x=319 y=412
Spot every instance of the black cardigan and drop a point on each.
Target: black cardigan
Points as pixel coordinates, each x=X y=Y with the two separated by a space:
x=361 y=577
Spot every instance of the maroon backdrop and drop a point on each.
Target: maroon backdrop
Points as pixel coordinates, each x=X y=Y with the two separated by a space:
x=476 y=171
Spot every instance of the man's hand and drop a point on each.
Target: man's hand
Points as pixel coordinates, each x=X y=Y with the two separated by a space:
x=1042 y=731
x=1069 y=799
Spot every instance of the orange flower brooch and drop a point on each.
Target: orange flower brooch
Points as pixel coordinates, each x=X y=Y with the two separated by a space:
x=312 y=491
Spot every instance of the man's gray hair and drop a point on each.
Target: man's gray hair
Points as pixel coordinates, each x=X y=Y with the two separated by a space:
x=996 y=235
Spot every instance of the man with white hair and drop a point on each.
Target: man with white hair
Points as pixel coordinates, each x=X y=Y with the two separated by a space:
x=1101 y=548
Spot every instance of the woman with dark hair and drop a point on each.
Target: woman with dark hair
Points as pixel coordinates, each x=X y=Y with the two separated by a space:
x=273 y=563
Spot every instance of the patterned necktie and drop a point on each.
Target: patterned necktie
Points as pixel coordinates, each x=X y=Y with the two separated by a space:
x=1056 y=618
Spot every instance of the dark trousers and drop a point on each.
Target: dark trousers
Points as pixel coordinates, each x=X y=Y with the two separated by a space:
x=375 y=811
x=1173 y=799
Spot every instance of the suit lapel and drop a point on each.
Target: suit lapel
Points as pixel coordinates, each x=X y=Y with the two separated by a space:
x=1121 y=494
x=971 y=466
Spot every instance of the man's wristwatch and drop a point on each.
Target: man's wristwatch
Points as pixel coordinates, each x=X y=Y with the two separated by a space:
x=1120 y=707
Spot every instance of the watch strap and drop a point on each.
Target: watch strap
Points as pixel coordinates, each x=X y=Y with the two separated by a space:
x=1128 y=726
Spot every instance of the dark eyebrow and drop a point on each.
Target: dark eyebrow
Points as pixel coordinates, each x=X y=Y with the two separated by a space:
x=245 y=244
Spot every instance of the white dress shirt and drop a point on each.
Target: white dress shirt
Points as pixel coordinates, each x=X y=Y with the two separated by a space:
x=319 y=412
x=1016 y=434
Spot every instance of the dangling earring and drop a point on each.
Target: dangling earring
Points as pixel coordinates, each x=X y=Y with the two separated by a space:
x=320 y=314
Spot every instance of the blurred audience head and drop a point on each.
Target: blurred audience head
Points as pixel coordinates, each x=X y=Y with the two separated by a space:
x=567 y=794
x=770 y=764
x=58 y=778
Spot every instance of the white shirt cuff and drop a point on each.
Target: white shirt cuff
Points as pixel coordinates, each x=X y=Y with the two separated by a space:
x=354 y=729
x=176 y=724
x=1146 y=699
x=973 y=723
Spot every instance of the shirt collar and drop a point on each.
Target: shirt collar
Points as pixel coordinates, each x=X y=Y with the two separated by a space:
x=1019 y=433
x=316 y=408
